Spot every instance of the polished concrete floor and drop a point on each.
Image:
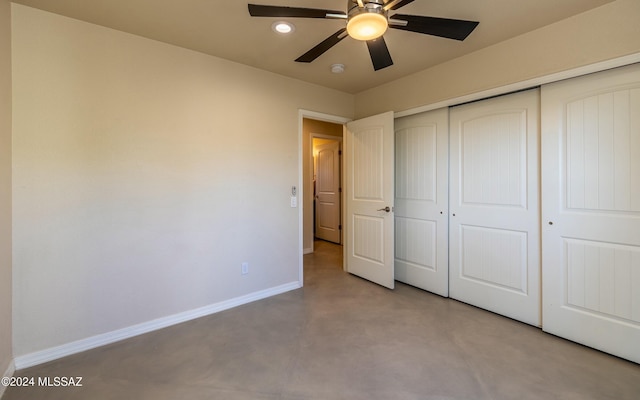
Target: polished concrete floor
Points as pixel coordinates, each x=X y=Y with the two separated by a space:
x=341 y=337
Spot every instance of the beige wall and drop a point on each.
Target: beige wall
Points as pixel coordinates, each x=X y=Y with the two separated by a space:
x=600 y=34
x=5 y=186
x=309 y=127
x=144 y=175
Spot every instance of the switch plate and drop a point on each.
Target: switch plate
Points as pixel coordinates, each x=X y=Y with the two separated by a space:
x=245 y=268
x=294 y=201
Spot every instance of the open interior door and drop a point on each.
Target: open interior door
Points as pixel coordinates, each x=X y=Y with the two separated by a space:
x=369 y=186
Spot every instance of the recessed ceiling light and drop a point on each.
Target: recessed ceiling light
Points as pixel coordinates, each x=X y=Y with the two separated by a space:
x=283 y=27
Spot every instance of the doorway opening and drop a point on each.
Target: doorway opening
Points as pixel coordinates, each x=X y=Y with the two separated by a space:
x=322 y=182
x=307 y=123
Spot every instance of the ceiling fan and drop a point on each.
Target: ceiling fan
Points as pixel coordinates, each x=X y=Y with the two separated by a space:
x=368 y=20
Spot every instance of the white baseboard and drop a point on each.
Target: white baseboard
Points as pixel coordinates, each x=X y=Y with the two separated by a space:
x=9 y=372
x=308 y=250
x=53 y=353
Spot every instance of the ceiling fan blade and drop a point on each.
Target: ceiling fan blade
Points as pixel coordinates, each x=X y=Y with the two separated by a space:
x=379 y=52
x=444 y=27
x=395 y=4
x=322 y=47
x=256 y=10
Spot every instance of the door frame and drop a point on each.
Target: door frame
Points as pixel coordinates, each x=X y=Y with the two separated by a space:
x=302 y=154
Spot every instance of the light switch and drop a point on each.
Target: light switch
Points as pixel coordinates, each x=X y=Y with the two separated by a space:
x=294 y=201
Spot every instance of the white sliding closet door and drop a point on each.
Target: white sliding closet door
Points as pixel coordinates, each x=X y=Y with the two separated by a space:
x=494 y=210
x=422 y=183
x=591 y=210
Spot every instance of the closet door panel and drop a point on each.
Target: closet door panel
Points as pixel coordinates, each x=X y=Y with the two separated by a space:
x=591 y=210
x=494 y=208
x=421 y=201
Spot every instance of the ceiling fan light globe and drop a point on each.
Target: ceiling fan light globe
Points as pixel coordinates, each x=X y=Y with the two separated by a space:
x=367 y=26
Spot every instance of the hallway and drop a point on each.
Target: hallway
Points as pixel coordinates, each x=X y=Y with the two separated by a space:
x=341 y=337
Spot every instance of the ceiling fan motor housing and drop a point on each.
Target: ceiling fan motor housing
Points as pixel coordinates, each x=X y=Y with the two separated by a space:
x=372 y=6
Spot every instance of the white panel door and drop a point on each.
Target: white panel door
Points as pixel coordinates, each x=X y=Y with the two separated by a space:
x=328 y=192
x=368 y=159
x=422 y=201
x=494 y=209
x=591 y=210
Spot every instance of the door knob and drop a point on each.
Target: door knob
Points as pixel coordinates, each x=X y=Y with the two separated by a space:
x=386 y=209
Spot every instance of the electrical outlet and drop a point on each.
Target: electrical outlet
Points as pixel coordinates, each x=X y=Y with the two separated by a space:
x=245 y=268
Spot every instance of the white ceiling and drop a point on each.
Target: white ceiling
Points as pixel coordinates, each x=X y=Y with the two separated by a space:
x=225 y=29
